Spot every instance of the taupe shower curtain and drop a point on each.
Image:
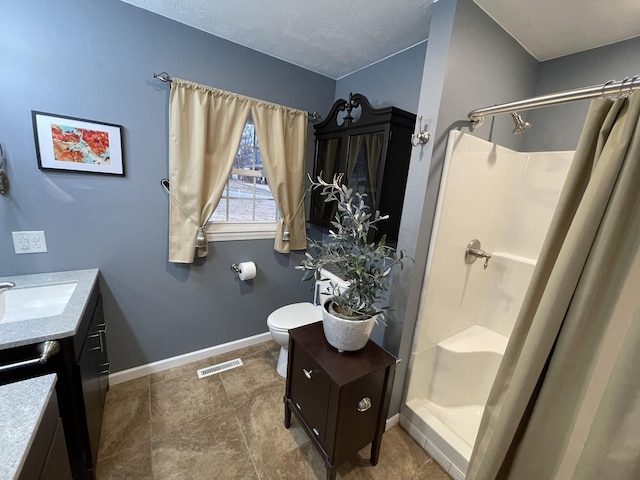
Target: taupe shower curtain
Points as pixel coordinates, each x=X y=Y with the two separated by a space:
x=566 y=401
x=282 y=136
x=205 y=128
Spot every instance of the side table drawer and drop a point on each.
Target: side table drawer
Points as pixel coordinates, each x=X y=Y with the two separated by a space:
x=310 y=389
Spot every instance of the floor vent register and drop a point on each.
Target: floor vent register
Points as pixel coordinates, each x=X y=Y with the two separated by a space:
x=219 y=367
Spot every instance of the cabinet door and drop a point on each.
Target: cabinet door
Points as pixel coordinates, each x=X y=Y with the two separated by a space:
x=88 y=365
x=328 y=163
x=310 y=388
x=56 y=466
x=104 y=364
x=360 y=404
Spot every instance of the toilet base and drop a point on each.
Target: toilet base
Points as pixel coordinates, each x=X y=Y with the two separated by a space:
x=282 y=362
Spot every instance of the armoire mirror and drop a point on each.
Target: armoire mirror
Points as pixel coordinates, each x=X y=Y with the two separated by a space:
x=372 y=148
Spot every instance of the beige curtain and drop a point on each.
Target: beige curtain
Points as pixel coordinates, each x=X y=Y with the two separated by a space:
x=566 y=401
x=373 y=143
x=282 y=136
x=355 y=145
x=205 y=128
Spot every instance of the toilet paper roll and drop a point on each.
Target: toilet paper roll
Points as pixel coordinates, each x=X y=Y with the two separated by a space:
x=247 y=270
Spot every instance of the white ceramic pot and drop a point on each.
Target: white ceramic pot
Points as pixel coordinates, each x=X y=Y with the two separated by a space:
x=346 y=335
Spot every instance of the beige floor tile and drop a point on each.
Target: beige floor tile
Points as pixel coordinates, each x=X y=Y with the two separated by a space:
x=432 y=471
x=129 y=387
x=297 y=464
x=185 y=399
x=230 y=426
x=127 y=421
x=273 y=348
x=262 y=421
x=401 y=458
x=257 y=372
x=210 y=448
x=133 y=463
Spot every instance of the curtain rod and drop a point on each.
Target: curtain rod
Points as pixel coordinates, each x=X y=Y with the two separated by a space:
x=619 y=87
x=164 y=77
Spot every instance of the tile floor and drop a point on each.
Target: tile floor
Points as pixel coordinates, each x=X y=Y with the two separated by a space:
x=172 y=425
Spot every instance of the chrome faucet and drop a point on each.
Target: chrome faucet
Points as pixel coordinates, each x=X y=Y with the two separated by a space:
x=473 y=252
x=6 y=285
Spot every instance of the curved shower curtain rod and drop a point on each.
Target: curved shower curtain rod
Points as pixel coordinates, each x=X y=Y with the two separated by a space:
x=612 y=87
x=164 y=77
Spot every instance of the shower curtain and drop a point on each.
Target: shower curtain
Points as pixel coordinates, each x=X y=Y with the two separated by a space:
x=566 y=401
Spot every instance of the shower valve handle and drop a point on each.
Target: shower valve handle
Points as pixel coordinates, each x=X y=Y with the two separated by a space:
x=473 y=252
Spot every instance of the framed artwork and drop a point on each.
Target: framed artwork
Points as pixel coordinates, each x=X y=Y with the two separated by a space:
x=76 y=144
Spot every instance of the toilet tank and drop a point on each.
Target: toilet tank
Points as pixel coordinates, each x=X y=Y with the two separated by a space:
x=321 y=291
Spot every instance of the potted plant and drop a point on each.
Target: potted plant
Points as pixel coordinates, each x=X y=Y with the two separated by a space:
x=350 y=313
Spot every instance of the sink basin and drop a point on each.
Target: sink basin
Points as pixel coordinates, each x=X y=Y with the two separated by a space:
x=18 y=304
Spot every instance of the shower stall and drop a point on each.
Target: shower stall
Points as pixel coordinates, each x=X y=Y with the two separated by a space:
x=498 y=203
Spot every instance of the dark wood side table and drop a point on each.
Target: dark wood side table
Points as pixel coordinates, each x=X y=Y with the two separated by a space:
x=341 y=399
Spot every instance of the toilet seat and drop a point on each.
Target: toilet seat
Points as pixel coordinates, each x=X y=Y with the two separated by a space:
x=293 y=316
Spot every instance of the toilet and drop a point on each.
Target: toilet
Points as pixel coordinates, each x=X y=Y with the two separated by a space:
x=298 y=315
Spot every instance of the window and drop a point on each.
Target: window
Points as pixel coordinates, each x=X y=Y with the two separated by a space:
x=247 y=209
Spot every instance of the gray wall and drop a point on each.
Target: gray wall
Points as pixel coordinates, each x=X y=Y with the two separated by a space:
x=393 y=82
x=470 y=63
x=558 y=127
x=95 y=60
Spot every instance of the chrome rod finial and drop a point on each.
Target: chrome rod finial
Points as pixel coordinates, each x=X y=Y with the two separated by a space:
x=422 y=137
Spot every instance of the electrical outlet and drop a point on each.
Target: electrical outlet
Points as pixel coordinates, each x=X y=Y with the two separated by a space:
x=29 y=242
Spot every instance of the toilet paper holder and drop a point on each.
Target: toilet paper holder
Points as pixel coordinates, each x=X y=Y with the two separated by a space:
x=235 y=267
x=245 y=270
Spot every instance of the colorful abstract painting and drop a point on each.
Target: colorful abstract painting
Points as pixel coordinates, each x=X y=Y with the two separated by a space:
x=78 y=145
x=72 y=144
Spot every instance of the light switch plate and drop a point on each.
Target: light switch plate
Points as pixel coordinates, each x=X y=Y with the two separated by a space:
x=29 y=242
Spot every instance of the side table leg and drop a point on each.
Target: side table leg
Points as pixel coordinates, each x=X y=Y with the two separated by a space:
x=331 y=472
x=287 y=415
x=375 y=451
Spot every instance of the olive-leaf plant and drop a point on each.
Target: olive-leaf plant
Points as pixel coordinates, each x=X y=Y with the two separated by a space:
x=365 y=265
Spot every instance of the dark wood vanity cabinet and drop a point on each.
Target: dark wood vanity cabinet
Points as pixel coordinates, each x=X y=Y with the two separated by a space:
x=372 y=148
x=93 y=373
x=341 y=399
x=47 y=458
x=82 y=369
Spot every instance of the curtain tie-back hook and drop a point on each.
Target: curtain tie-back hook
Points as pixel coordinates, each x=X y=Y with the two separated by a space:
x=201 y=238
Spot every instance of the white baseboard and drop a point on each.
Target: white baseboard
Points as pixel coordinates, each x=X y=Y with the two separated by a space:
x=154 y=367
x=392 y=422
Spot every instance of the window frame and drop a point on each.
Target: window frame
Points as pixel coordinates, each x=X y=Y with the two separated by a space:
x=254 y=230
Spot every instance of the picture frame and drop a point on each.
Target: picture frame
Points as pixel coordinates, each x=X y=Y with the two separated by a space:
x=77 y=144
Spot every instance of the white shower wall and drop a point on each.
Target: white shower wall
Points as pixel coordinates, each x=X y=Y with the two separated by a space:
x=506 y=200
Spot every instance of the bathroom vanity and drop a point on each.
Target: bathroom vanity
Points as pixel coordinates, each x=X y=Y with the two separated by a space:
x=341 y=399
x=32 y=444
x=80 y=359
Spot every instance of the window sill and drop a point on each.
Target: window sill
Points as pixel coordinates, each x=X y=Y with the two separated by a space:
x=224 y=232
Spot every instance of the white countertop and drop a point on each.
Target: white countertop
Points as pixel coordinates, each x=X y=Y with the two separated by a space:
x=15 y=334
x=22 y=405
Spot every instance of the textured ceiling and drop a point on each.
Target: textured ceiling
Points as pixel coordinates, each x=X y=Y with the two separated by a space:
x=553 y=28
x=338 y=37
x=334 y=37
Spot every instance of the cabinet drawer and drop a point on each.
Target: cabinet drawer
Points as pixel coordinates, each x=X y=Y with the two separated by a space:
x=310 y=389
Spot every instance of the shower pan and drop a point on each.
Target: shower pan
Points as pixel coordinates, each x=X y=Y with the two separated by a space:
x=468 y=308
